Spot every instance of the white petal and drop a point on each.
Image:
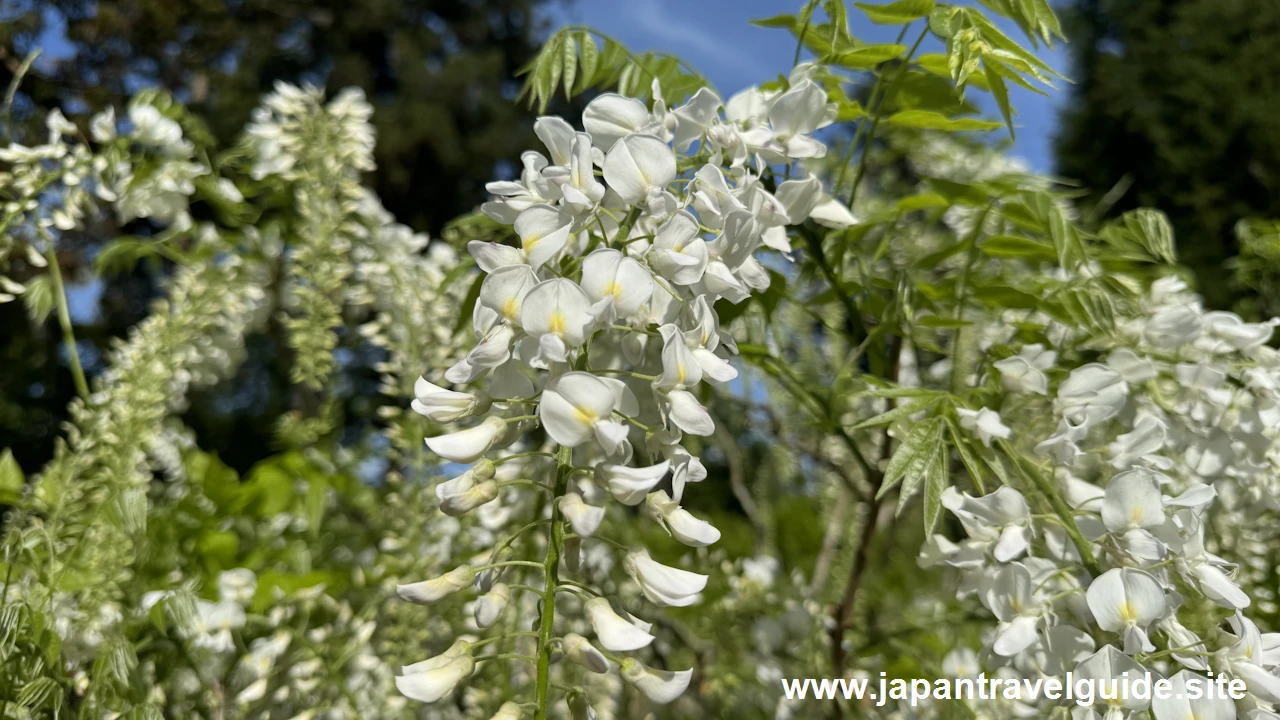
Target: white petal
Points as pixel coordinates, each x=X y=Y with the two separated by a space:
x=1219 y=588
x=571 y=406
x=1125 y=597
x=636 y=164
x=630 y=485
x=680 y=523
x=610 y=116
x=505 y=289
x=614 y=632
x=1176 y=706
x=1016 y=636
x=578 y=650
x=491 y=604
x=491 y=256
x=585 y=519
x=429 y=591
x=557 y=135
x=1132 y=501
x=557 y=307
x=663 y=584
x=543 y=232
x=660 y=686
x=467 y=446
x=432 y=685
x=688 y=414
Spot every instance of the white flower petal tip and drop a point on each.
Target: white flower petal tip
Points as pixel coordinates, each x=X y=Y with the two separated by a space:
x=680 y=523
x=661 y=584
x=578 y=650
x=583 y=518
x=614 y=632
x=490 y=605
x=468 y=446
x=659 y=686
x=429 y=591
x=431 y=685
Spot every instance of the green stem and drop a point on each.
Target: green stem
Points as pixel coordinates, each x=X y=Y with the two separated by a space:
x=804 y=29
x=517 y=456
x=64 y=319
x=875 y=118
x=551 y=572
x=525 y=483
x=964 y=349
x=1031 y=472
x=624 y=229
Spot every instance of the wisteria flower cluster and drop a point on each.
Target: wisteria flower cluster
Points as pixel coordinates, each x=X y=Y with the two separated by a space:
x=599 y=329
x=1177 y=416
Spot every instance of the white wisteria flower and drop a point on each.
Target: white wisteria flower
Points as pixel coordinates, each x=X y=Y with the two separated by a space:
x=661 y=584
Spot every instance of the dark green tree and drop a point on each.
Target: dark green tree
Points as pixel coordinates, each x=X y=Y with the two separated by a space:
x=1175 y=107
x=440 y=74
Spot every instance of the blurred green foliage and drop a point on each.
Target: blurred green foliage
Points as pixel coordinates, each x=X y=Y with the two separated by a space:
x=1174 y=108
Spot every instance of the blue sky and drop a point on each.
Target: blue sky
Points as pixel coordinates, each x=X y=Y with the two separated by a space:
x=714 y=37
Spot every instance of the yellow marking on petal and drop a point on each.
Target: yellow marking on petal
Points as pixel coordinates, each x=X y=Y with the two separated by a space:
x=681 y=372
x=509 y=308
x=584 y=415
x=531 y=241
x=614 y=289
x=1128 y=614
x=1135 y=516
x=556 y=324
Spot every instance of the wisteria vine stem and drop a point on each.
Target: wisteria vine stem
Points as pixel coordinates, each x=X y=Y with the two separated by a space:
x=555 y=542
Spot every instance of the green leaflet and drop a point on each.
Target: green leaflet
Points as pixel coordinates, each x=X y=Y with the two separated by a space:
x=912 y=454
x=900 y=12
x=867 y=56
x=11 y=479
x=926 y=120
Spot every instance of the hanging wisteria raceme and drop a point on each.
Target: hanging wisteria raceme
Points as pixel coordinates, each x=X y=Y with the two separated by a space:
x=1179 y=414
x=596 y=331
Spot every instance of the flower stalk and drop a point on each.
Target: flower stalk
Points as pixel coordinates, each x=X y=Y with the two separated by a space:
x=551 y=571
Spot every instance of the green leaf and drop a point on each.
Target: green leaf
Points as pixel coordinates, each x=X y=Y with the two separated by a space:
x=972 y=462
x=867 y=57
x=909 y=459
x=897 y=392
x=1014 y=246
x=590 y=60
x=936 y=482
x=11 y=479
x=268 y=582
x=122 y=255
x=923 y=201
x=1001 y=93
x=1004 y=297
x=317 y=495
x=218 y=549
x=896 y=13
x=895 y=413
x=271 y=486
x=554 y=67
x=938 y=321
x=1154 y=232
x=468 y=304
x=784 y=21
x=38 y=298
x=145 y=711
x=570 y=62
x=850 y=110
x=39 y=692
x=926 y=120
